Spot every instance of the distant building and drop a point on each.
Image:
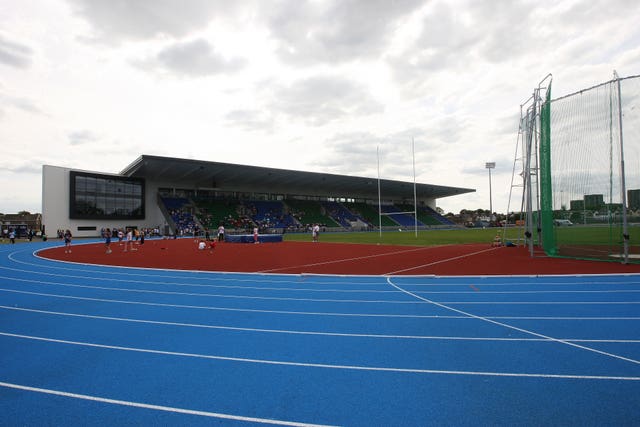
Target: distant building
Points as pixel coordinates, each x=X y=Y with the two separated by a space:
x=633 y=199
x=593 y=202
x=21 y=224
x=87 y=201
x=577 y=205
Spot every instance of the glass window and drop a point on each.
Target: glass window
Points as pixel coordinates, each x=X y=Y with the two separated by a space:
x=95 y=196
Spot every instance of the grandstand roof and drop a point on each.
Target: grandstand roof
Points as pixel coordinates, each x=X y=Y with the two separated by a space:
x=233 y=177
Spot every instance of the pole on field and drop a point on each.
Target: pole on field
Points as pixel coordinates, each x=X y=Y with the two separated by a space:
x=379 y=200
x=415 y=198
x=623 y=190
x=490 y=165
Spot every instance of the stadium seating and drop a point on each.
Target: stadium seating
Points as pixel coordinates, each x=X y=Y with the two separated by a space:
x=339 y=213
x=290 y=215
x=308 y=212
x=270 y=214
x=213 y=212
x=402 y=219
x=180 y=209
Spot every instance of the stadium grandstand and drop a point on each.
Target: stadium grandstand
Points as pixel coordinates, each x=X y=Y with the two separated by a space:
x=173 y=196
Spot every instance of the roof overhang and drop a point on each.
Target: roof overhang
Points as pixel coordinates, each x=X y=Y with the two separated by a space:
x=200 y=174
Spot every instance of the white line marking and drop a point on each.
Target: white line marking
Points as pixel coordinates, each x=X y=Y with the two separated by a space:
x=253 y=280
x=338 y=261
x=539 y=302
x=293 y=332
x=248 y=297
x=440 y=261
x=156 y=407
x=302 y=313
x=327 y=366
x=120 y=271
x=322 y=365
x=373 y=291
x=359 y=301
x=201 y=307
x=604 y=353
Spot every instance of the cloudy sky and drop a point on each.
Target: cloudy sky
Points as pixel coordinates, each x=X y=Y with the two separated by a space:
x=308 y=85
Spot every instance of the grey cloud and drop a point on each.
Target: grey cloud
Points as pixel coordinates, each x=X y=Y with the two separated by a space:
x=320 y=100
x=14 y=54
x=507 y=125
x=193 y=58
x=352 y=153
x=443 y=43
x=19 y=103
x=118 y=20
x=357 y=153
x=335 y=31
x=82 y=137
x=251 y=120
x=504 y=165
x=32 y=166
x=454 y=35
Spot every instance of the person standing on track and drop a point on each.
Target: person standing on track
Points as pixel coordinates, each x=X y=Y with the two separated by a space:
x=107 y=240
x=315 y=232
x=221 y=233
x=129 y=241
x=67 y=241
x=255 y=235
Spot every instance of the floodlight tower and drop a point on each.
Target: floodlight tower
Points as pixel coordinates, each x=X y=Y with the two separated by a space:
x=490 y=165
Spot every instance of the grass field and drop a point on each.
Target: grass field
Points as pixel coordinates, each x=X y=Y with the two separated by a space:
x=564 y=235
x=424 y=238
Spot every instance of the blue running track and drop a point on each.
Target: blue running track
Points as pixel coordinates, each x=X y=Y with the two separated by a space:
x=93 y=345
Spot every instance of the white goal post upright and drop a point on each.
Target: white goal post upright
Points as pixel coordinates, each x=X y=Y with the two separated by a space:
x=415 y=197
x=379 y=199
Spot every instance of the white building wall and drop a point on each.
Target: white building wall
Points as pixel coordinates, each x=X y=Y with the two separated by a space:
x=55 y=206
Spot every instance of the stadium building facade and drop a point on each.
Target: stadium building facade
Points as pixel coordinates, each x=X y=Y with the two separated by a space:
x=85 y=202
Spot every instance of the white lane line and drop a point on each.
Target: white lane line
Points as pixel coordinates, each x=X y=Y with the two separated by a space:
x=201 y=307
x=325 y=366
x=157 y=407
x=539 y=302
x=199 y=294
x=359 y=301
x=299 y=313
x=201 y=285
x=322 y=290
x=484 y=319
x=294 y=332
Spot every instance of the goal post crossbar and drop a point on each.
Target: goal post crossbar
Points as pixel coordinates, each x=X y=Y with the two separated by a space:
x=397 y=213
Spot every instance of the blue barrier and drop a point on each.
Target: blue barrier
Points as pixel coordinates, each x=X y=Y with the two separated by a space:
x=248 y=238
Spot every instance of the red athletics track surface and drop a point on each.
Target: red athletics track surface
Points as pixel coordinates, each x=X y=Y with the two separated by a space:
x=335 y=258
